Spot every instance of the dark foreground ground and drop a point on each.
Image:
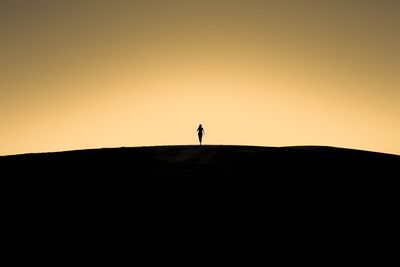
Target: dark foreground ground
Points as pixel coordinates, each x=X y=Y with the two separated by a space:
x=238 y=177
x=234 y=197
x=206 y=161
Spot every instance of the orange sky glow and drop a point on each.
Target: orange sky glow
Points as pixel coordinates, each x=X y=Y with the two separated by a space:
x=90 y=74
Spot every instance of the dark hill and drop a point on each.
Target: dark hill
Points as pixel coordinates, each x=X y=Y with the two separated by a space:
x=305 y=194
x=206 y=161
x=229 y=175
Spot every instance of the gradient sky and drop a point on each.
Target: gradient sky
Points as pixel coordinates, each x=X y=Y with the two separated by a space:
x=88 y=74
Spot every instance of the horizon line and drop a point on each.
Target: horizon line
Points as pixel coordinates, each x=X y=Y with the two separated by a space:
x=197 y=145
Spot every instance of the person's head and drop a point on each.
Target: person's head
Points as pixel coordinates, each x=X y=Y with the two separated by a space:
x=200 y=125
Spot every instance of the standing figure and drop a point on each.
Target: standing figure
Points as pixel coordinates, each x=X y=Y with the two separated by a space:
x=200 y=133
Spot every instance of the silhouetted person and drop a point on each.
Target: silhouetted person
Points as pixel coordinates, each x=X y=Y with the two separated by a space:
x=200 y=133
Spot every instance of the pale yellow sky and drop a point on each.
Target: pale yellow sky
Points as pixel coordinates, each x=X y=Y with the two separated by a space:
x=90 y=74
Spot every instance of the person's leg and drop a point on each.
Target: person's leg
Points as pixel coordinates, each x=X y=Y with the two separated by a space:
x=200 y=137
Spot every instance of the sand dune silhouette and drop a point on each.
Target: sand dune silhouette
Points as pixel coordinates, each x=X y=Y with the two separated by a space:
x=290 y=186
x=206 y=161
